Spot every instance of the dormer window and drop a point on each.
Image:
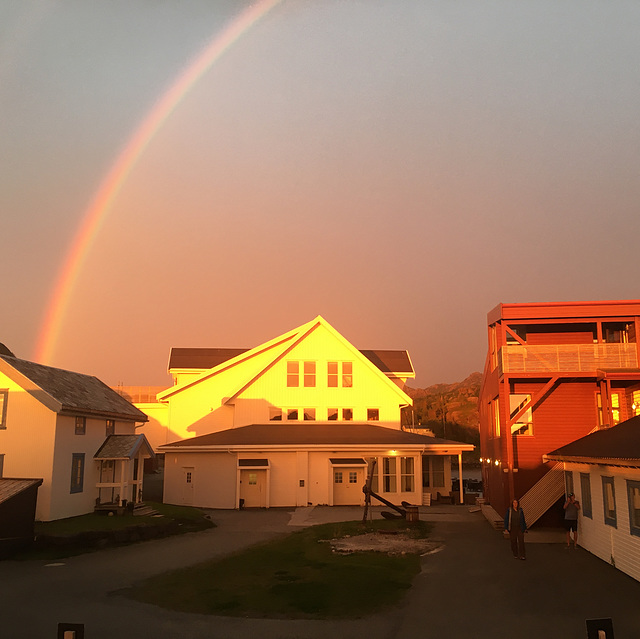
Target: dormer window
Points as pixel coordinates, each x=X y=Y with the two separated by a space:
x=111 y=427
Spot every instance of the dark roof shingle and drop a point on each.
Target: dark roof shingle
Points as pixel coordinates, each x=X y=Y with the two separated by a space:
x=620 y=442
x=76 y=392
x=319 y=433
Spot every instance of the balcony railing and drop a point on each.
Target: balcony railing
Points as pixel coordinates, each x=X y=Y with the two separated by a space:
x=554 y=358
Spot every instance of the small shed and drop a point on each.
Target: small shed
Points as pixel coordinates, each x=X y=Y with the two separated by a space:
x=17 y=513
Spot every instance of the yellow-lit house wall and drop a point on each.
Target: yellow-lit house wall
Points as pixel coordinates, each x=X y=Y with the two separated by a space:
x=27 y=441
x=256 y=386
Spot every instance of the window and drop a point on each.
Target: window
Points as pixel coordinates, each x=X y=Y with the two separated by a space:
x=374 y=478
x=309 y=414
x=275 y=414
x=111 y=427
x=599 y=409
x=406 y=474
x=347 y=374
x=425 y=472
x=635 y=405
x=615 y=407
x=337 y=477
x=437 y=471
x=292 y=414
x=609 y=502
x=633 y=495
x=253 y=479
x=309 y=374
x=353 y=477
x=333 y=374
x=568 y=483
x=347 y=414
x=332 y=414
x=293 y=374
x=495 y=413
x=524 y=425
x=373 y=415
x=389 y=474
x=81 y=425
x=585 y=489
x=77 y=472
x=4 y=396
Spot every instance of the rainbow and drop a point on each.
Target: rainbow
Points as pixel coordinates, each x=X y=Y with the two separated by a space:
x=110 y=187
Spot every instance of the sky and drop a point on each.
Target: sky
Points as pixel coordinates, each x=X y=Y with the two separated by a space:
x=398 y=167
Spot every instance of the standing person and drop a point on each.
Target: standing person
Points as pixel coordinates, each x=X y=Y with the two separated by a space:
x=571 y=508
x=516 y=526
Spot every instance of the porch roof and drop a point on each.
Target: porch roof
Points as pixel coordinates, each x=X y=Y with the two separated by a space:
x=124 y=447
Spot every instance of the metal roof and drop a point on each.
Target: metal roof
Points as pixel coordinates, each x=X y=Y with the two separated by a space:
x=388 y=361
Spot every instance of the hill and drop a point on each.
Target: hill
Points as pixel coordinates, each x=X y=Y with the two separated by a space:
x=455 y=403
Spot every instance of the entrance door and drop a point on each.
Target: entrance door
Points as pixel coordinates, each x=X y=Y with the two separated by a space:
x=347 y=486
x=188 y=485
x=253 y=488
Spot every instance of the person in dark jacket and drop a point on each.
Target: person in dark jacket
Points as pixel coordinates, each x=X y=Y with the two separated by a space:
x=516 y=526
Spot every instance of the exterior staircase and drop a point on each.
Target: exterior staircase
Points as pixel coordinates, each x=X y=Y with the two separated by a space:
x=543 y=494
x=142 y=510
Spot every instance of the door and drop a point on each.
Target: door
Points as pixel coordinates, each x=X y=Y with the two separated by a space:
x=347 y=486
x=253 y=488
x=188 y=485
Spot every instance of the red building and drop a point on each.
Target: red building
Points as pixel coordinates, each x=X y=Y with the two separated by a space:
x=554 y=373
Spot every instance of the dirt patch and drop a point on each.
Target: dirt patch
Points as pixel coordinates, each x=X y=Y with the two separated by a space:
x=391 y=544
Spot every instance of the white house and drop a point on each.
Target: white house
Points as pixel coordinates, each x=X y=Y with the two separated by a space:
x=74 y=432
x=603 y=470
x=295 y=421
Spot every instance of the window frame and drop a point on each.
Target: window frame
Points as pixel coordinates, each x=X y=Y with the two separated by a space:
x=80 y=425
x=373 y=414
x=389 y=472
x=407 y=474
x=634 y=523
x=585 y=495
x=309 y=374
x=110 y=428
x=4 y=400
x=347 y=414
x=347 y=374
x=77 y=473
x=609 y=520
x=293 y=373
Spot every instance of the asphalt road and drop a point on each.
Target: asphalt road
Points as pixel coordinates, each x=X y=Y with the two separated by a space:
x=470 y=588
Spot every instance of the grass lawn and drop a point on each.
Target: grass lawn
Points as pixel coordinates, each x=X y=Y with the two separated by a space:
x=294 y=577
x=93 y=522
x=87 y=533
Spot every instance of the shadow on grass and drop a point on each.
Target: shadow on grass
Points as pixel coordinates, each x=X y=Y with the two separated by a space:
x=87 y=533
x=298 y=576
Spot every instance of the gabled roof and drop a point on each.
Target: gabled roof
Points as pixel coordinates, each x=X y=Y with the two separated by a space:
x=123 y=447
x=619 y=445
x=357 y=435
x=283 y=344
x=10 y=487
x=68 y=392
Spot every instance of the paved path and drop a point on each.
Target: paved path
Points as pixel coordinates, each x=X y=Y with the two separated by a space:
x=471 y=588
